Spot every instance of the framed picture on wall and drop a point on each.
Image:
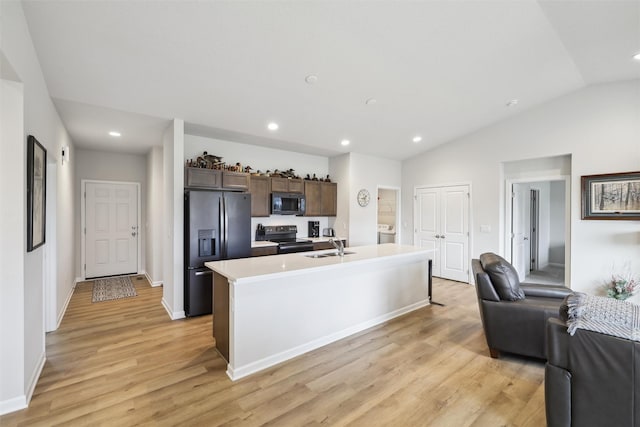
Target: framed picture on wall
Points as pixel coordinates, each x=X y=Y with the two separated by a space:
x=611 y=196
x=36 y=193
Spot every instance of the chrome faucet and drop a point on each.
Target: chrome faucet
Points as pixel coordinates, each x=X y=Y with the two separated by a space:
x=338 y=245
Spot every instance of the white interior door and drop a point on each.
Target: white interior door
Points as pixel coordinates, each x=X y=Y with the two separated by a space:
x=454 y=233
x=111 y=229
x=442 y=223
x=427 y=219
x=519 y=212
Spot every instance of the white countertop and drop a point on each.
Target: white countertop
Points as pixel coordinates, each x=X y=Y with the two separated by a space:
x=249 y=269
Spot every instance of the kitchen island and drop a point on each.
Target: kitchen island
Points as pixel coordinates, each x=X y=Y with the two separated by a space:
x=271 y=309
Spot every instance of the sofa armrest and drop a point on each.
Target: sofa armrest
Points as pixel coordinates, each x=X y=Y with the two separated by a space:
x=546 y=291
x=557 y=396
x=557 y=343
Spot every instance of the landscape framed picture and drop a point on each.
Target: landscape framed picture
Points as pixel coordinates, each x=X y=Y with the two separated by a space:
x=611 y=196
x=36 y=193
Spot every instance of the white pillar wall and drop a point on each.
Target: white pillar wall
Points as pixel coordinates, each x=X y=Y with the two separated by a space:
x=173 y=152
x=12 y=247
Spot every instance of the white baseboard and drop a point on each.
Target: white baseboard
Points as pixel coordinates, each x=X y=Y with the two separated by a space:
x=174 y=315
x=64 y=307
x=243 y=371
x=35 y=376
x=152 y=282
x=13 y=404
x=21 y=402
x=78 y=280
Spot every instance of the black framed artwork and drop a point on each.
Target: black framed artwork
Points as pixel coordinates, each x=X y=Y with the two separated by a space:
x=36 y=193
x=611 y=196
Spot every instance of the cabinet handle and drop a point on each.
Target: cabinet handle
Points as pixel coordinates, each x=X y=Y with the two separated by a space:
x=437 y=236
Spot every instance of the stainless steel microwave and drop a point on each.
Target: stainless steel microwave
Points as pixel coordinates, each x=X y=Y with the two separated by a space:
x=287 y=204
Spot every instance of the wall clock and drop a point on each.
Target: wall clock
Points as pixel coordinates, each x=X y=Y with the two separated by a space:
x=363 y=197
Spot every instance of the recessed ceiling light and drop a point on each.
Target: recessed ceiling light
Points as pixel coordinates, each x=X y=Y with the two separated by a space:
x=417 y=138
x=311 y=79
x=273 y=126
x=512 y=103
x=114 y=133
x=637 y=56
x=345 y=142
x=370 y=101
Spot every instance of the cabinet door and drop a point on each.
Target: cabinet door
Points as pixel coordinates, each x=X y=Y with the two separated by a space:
x=296 y=186
x=329 y=198
x=260 y=189
x=235 y=181
x=202 y=178
x=280 y=185
x=313 y=196
x=263 y=251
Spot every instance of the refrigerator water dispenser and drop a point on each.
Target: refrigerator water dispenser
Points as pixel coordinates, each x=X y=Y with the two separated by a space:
x=206 y=243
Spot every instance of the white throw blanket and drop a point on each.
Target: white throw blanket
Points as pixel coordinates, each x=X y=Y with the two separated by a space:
x=605 y=315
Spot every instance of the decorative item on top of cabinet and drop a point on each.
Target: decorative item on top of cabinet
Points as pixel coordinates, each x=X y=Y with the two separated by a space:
x=260 y=189
x=321 y=198
x=287 y=185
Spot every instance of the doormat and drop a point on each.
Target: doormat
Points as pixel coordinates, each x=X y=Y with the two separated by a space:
x=113 y=288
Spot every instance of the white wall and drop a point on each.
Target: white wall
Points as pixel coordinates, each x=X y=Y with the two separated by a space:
x=154 y=218
x=173 y=196
x=599 y=126
x=109 y=166
x=26 y=296
x=354 y=172
x=12 y=247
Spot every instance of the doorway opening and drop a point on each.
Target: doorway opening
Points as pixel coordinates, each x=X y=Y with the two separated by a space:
x=539 y=229
x=388 y=214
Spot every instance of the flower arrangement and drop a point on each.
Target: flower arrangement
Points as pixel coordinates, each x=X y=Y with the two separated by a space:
x=622 y=286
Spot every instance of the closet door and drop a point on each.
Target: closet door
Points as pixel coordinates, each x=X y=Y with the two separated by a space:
x=427 y=223
x=454 y=233
x=442 y=223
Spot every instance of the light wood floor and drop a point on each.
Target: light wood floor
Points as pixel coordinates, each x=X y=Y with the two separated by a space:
x=125 y=363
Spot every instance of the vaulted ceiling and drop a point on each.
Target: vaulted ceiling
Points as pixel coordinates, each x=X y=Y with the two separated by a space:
x=436 y=69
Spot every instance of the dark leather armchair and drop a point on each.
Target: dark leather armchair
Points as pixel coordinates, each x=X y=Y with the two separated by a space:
x=590 y=378
x=514 y=315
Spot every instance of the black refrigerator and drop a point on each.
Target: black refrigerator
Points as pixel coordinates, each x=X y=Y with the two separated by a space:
x=217 y=225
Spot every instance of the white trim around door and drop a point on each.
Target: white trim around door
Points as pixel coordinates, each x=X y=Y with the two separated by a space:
x=83 y=225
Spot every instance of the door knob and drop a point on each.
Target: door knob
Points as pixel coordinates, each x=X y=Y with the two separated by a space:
x=133 y=233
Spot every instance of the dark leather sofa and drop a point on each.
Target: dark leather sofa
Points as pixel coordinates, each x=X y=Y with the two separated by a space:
x=514 y=315
x=590 y=378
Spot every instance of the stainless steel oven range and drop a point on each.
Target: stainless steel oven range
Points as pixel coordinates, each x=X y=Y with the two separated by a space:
x=285 y=237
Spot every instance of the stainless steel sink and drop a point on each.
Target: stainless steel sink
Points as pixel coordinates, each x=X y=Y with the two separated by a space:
x=327 y=254
x=336 y=254
x=317 y=255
